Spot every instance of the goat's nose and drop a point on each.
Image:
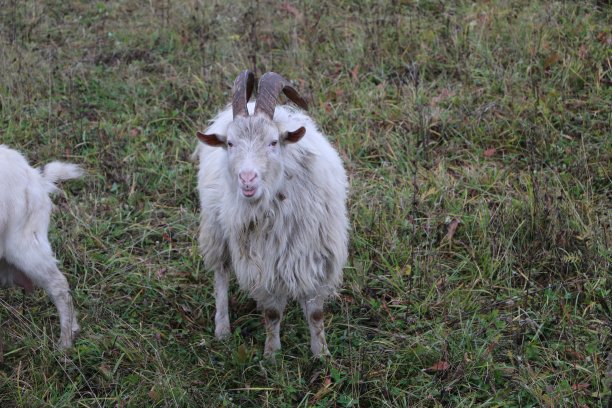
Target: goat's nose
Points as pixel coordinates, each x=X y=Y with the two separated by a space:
x=247 y=176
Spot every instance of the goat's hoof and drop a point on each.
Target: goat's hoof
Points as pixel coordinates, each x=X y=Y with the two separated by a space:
x=65 y=344
x=271 y=347
x=320 y=352
x=271 y=354
x=222 y=332
x=321 y=357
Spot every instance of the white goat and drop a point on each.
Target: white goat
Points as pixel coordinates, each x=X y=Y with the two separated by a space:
x=273 y=201
x=26 y=258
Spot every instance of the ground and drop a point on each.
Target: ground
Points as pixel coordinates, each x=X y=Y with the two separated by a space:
x=477 y=137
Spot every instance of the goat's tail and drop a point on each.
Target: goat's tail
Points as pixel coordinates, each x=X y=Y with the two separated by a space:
x=58 y=171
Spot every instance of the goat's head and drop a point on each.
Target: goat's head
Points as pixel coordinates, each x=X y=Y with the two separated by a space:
x=255 y=144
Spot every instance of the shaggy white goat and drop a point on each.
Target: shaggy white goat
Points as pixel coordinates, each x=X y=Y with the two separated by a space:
x=273 y=201
x=26 y=258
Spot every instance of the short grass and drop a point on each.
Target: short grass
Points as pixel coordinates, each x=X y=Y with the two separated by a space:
x=478 y=140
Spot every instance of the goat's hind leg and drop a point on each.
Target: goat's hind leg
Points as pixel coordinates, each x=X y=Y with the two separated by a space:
x=38 y=264
x=59 y=292
x=313 y=312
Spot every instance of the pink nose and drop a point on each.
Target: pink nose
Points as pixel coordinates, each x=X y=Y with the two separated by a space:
x=247 y=176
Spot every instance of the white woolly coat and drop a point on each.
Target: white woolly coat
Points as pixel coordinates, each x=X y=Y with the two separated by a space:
x=293 y=241
x=25 y=209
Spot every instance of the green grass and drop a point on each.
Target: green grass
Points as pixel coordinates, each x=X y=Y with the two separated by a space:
x=494 y=115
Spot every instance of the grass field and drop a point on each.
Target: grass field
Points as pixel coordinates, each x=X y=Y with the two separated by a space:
x=478 y=140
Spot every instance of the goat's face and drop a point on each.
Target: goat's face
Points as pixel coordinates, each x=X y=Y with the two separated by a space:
x=254 y=147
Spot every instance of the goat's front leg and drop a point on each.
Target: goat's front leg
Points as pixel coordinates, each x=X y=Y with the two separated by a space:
x=222 y=323
x=313 y=312
x=273 y=314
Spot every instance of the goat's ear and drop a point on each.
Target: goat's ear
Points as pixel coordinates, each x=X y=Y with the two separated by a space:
x=212 y=140
x=294 y=136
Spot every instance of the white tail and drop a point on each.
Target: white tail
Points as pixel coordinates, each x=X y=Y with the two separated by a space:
x=58 y=171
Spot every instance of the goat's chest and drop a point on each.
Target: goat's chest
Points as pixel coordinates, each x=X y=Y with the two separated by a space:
x=279 y=251
x=271 y=255
x=255 y=238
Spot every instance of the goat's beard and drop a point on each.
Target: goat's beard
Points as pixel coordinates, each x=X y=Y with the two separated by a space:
x=255 y=212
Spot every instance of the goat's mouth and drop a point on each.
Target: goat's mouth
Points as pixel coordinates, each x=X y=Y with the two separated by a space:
x=249 y=192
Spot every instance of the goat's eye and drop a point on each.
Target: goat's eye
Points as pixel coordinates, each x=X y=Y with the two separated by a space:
x=230 y=144
x=274 y=143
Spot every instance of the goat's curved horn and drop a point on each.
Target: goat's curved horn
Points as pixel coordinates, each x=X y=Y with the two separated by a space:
x=270 y=86
x=243 y=88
